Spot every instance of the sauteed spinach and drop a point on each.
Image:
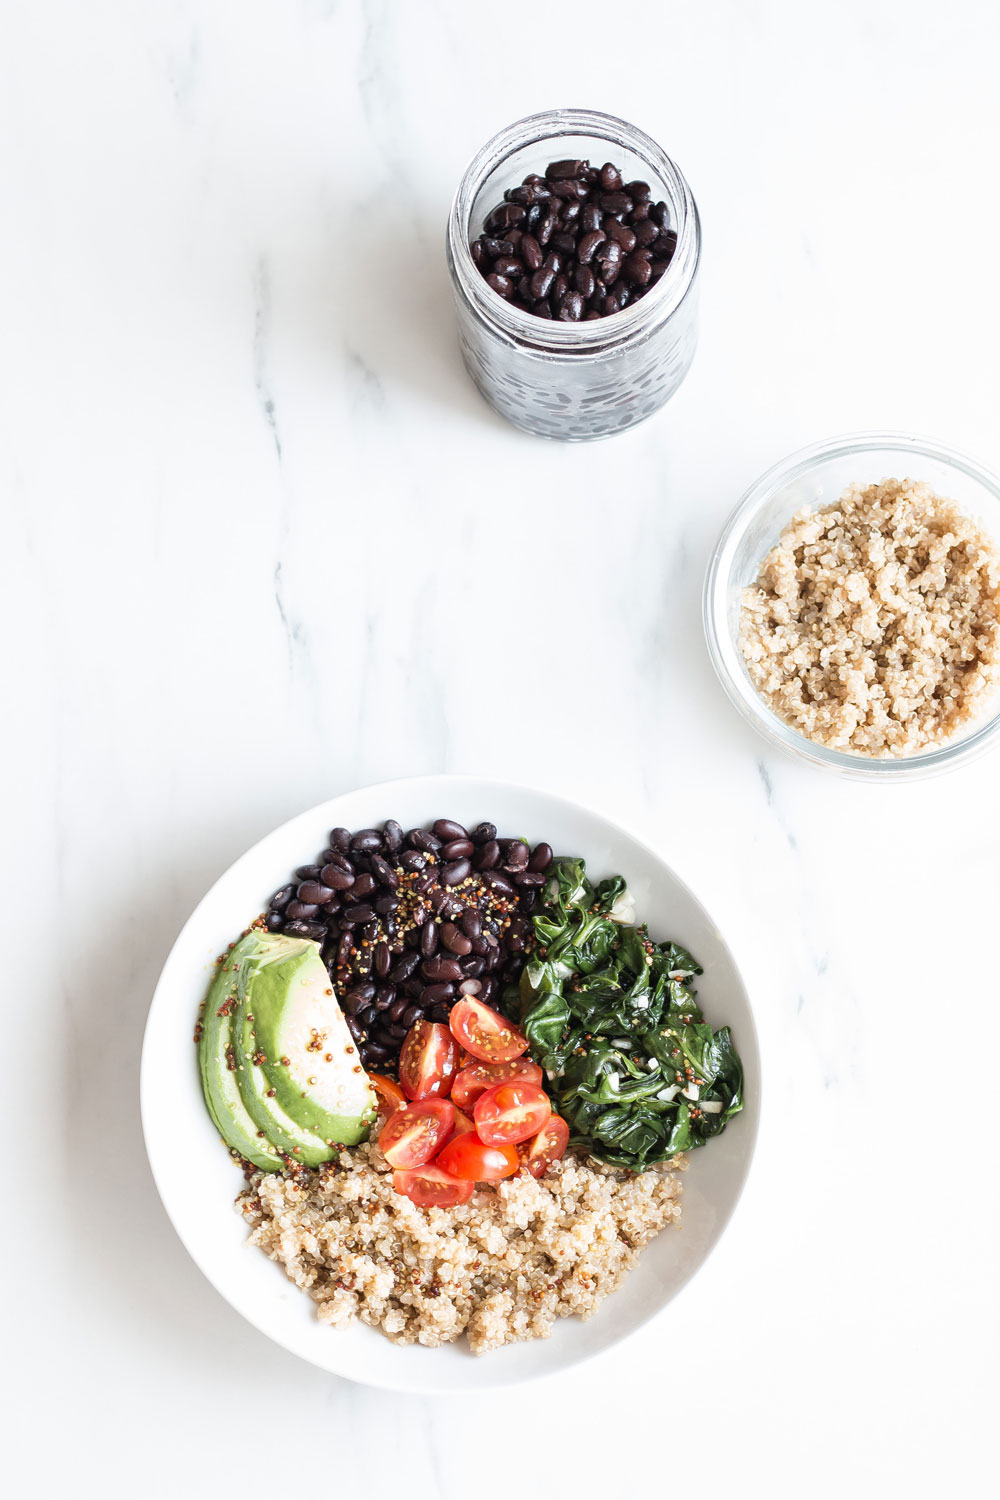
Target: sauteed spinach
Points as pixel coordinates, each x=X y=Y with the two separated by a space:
x=612 y=1017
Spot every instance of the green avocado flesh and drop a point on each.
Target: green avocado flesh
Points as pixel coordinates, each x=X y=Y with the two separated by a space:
x=309 y=1057
x=266 y=1113
x=289 y=1087
x=218 y=1078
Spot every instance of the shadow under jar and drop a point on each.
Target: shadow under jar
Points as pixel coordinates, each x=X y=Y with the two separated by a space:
x=574 y=380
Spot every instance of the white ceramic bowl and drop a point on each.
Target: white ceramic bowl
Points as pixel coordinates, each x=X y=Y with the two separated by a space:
x=198 y=1182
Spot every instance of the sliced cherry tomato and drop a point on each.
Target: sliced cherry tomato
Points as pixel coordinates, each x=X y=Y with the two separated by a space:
x=388 y=1092
x=545 y=1147
x=428 y=1060
x=477 y=1077
x=463 y=1124
x=413 y=1134
x=485 y=1032
x=511 y=1112
x=468 y=1157
x=429 y=1187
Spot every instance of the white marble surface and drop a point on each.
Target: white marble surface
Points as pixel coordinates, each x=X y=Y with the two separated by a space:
x=263 y=542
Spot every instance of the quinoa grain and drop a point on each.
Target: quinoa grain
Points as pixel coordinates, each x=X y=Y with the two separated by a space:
x=874 y=624
x=500 y=1268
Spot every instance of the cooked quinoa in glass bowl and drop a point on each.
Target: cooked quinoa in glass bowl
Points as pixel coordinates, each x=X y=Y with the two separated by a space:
x=852 y=606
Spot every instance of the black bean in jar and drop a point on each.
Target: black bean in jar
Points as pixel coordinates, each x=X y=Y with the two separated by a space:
x=581 y=237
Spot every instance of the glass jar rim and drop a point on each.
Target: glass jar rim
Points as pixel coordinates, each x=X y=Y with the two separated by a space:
x=597 y=335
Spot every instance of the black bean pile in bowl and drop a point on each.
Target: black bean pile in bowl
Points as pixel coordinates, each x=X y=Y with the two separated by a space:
x=410 y=922
x=575 y=244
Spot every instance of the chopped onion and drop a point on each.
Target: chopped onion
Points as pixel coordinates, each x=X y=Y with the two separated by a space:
x=623 y=908
x=712 y=1107
x=668 y=1093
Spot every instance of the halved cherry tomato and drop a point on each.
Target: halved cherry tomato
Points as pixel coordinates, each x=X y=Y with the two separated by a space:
x=485 y=1032
x=429 y=1187
x=463 y=1124
x=428 y=1060
x=468 y=1157
x=388 y=1092
x=477 y=1077
x=511 y=1112
x=412 y=1135
x=546 y=1147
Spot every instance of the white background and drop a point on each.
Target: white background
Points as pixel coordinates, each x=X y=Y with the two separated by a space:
x=263 y=542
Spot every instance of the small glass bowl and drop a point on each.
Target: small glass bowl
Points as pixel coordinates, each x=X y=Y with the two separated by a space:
x=813 y=478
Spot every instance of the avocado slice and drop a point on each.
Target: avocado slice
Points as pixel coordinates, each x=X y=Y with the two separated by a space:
x=304 y=1048
x=219 y=1079
x=262 y=1104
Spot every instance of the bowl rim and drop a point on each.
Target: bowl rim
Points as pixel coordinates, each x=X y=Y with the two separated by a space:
x=749 y=1048
x=721 y=648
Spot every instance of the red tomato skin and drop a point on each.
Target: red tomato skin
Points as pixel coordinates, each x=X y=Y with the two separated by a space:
x=546 y=1147
x=463 y=1124
x=428 y=1060
x=511 y=1112
x=468 y=1157
x=430 y=1187
x=477 y=1077
x=388 y=1092
x=485 y=1032
x=406 y=1143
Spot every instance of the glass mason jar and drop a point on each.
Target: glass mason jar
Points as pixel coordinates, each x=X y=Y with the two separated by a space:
x=574 y=380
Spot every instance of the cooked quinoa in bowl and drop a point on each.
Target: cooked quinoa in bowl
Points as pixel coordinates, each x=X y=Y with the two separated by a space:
x=852 y=606
x=500 y=1269
x=874 y=624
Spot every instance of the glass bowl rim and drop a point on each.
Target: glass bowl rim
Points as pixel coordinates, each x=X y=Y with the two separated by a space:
x=721 y=644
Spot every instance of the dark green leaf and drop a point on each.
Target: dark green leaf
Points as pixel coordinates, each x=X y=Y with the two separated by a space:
x=598 y=1006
